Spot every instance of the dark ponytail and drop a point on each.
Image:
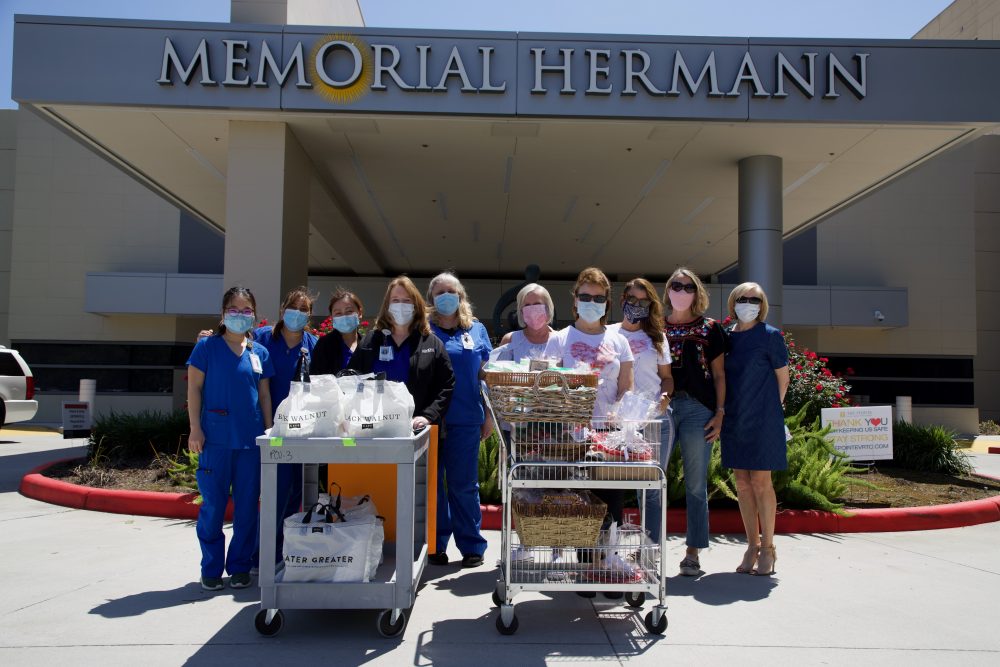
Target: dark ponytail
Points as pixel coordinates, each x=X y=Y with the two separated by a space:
x=227 y=300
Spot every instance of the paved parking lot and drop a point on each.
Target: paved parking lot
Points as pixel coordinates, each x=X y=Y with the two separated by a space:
x=86 y=588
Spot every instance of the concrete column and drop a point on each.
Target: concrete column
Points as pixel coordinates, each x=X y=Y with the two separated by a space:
x=267 y=212
x=760 y=228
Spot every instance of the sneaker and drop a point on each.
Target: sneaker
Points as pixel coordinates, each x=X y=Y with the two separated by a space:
x=472 y=560
x=690 y=567
x=254 y=571
x=241 y=580
x=211 y=584
x=438 y=559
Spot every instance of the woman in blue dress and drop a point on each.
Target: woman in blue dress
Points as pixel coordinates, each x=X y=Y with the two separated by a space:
x=753 y=434
x=229 y=405
x=465 y=423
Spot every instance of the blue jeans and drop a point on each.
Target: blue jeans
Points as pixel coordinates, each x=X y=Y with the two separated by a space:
x=690 y=417
x=654 y=508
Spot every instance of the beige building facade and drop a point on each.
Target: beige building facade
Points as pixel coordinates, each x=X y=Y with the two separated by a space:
x=102 y=252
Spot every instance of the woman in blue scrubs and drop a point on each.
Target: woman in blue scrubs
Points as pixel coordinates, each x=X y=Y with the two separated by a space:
x=285 y=342
x=333 y=351
x=229 y=405
x=465 y=424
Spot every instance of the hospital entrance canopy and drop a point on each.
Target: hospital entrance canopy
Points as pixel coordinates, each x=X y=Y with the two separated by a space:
x=485 y=151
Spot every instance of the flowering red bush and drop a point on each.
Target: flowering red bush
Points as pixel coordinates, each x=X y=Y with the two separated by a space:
x=812 y=382
x=326 y=326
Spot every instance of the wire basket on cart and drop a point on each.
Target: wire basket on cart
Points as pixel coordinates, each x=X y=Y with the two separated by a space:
x=564 y=518
x=546 y=396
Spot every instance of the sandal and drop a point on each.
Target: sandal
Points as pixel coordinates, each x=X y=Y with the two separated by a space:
x=690 y=567
x=749 y=559
x=766 y=552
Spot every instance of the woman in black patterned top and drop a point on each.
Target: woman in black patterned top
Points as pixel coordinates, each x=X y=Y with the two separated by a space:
x=697 y=347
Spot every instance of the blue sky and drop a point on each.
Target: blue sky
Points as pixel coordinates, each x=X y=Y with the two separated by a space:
x=883 y=19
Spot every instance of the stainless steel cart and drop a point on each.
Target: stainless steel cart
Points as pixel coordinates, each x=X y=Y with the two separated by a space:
x=394 y=586
x=559 y=456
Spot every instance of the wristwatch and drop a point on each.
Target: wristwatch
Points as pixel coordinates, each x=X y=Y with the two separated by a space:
x=721 y=410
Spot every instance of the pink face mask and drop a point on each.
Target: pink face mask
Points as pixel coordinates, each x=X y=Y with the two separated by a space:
x=535 y=316
x=680 y=300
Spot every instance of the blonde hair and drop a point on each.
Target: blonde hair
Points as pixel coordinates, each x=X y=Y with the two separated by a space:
x=742 y=289
x=419 y=323
x=465 y=318
x=594 y=276
x=542 y=292
x=700 y=303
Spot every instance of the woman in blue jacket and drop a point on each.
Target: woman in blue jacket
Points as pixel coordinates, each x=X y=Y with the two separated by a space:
x=229 y=405
x=465 y=424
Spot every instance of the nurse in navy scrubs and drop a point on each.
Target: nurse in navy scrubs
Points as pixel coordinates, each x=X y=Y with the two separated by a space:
x=465 y=423
x=285 y=342
x=402 y=346
x=334 y=351
x=229 y=405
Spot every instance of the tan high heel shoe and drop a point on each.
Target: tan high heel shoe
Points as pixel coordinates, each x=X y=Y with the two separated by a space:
x=768 y=570
x=749 y=559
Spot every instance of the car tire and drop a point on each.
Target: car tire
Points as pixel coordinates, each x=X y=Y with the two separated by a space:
x=3 y=412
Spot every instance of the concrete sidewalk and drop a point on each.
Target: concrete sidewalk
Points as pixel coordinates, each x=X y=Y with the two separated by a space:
x=86 y=588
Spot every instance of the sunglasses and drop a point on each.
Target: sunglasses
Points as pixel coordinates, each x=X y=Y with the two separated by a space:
x=586 y=298
x=690 y=288
x=636 y=301
x=755 y=300
x=246 y=311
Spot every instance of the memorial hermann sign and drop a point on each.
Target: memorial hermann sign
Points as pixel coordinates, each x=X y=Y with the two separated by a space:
x=376 y=67
x=160 y=64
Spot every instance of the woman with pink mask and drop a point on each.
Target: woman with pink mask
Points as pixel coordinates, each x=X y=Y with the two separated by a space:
x=536 y=339
x=697 y=348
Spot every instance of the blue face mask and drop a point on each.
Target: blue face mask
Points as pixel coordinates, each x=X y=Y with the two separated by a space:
x=238 y=324
x=294 y=319
x=346 y=323
x=590 y=312
x=446 y=303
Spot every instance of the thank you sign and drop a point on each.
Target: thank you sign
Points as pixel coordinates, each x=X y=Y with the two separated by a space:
x=864 y=434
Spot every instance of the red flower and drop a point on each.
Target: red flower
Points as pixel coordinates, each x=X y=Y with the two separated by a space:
x=364 y=323
x=824 y=359
x=798 y=367
x=811 y=355
x=819 y=387
x=842 y=388
x=263 y=323
x=838 y=395
x=835 y=405
x=849 y=371
x=791 y=343
x=827 y=373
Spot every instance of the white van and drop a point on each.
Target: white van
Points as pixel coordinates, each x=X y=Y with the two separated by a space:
x=17 y=388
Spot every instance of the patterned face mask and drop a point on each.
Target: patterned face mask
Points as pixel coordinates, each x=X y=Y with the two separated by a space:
x=634 y=313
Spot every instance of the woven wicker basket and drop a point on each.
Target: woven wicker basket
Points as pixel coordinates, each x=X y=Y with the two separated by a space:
x=544 y=400
x=633 y=473
x=544 y=524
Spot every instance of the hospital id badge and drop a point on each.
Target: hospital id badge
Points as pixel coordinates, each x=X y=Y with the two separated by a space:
x=255 y=363
x=385 y=353
x=467 y=342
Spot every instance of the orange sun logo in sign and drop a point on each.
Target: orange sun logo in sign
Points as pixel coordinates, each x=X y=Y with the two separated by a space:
x=341 y=68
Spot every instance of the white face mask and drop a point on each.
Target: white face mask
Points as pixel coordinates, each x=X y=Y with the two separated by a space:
x=402 y=313
x=747 y=312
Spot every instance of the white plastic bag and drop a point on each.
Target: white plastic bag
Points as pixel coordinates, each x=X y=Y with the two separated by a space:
x=354 y=508
x=311 y=410
x=321 y=546
x=377 y=408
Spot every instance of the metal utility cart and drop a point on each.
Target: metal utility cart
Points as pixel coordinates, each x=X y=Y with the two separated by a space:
x=394 y=586
x=561 y=455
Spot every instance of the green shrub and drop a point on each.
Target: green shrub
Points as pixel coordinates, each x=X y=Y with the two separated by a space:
x=812 y=385
x=989 y=427
x=489 y=476
x=118 y=438
x=927 y=448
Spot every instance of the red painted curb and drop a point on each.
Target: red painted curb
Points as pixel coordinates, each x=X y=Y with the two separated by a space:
x=180 y=506
x=993 y=450
x=118 y=501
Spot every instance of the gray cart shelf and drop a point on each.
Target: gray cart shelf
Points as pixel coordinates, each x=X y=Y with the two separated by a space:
x=394 y=586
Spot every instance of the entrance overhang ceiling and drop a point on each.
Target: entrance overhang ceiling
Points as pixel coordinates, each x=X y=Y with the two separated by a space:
x=489 y=196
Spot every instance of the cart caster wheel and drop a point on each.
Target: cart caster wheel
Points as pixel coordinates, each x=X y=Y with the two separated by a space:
x=387 y=628
x=635 y=600
x=587 y=594
x=507 y=629
x=657 y=628
x=265 y=628
x=498 y=599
